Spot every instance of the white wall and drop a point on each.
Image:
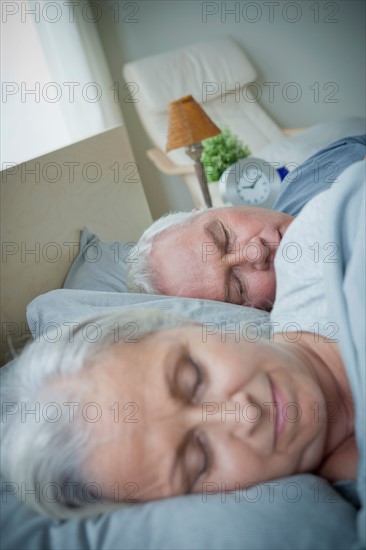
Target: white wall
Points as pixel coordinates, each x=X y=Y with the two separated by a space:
x=322 y=51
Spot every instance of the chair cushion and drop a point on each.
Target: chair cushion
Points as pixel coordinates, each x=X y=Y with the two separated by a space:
x=222 y=67
x=219 y=64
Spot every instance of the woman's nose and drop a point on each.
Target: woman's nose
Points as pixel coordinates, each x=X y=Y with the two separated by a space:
x=237 y=413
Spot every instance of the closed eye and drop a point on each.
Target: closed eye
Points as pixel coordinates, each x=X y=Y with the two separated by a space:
x=200 y=445
x=240 y=289
x=227 y=239
x=188 y=380
x=199 y=378
x=228 y=297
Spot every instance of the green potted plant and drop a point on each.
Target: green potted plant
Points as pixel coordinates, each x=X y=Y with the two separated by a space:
x=220 y=152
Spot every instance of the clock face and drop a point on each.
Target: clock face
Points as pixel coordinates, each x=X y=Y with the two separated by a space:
x=251 y=181
x=254 y=189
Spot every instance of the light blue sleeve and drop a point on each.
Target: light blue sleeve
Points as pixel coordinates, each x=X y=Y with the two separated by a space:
x=318 y=173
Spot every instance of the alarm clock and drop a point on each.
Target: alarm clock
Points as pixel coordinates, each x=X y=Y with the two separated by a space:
x=251 y=182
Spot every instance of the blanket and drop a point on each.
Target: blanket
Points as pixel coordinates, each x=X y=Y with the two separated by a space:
x=300 y=521
x=345 y=291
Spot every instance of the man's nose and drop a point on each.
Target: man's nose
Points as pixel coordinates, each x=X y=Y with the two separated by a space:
x=254 y=254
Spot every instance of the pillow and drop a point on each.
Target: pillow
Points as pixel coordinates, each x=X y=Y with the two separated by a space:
x=298 y=512
x=58 y=308
x=299 y=147
x=100 y=266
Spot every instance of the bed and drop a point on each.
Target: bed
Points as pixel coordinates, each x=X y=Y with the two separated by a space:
x=45 y=203
x=302 y=511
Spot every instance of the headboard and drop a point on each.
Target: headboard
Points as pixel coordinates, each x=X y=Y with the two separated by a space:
x=46 y=201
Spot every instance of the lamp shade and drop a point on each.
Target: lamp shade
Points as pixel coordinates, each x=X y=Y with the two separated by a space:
x=188 y=123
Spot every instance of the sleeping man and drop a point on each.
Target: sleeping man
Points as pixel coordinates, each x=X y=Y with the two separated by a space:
x=227 y=254
x=170 y=412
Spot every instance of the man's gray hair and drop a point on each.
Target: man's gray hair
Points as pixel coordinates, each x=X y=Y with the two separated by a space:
x=143 y=276
x=45 y=444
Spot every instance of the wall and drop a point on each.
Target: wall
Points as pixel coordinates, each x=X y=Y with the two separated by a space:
x=319 y=46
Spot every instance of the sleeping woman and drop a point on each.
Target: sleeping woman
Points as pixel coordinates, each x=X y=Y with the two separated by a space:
x=171 y=411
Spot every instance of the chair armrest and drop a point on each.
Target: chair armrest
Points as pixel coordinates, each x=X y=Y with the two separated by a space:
x=292 y=131
x=165 y=165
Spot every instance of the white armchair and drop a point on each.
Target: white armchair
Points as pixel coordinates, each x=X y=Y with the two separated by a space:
x=219 y=75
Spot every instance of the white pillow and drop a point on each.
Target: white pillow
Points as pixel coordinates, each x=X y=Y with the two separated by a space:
x=299 y=147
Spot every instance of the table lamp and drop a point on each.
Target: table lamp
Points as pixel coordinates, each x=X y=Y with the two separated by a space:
x=188 y=125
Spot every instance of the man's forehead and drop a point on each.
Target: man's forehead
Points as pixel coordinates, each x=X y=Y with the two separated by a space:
x=181 y=244
x=226 y=215
x=198 y=231
x=181 y=260
x=190 y=231
x=209 y=215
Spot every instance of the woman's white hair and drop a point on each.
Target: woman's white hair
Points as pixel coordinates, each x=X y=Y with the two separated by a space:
x=44 y=447
x=143 y=276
